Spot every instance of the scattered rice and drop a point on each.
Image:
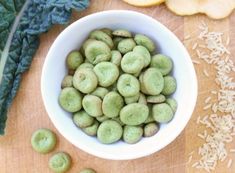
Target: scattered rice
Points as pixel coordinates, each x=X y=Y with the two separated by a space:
x=214 y=108
x=207 y=106
x=205 y=133
x=213 y=92
x=198 y=119
x=195 y=62
x=187 y=37
x=191 y=153
x=194 y=46
x=208 y=99
x=198 y=54
x=227 y=41
x=190 y=159
x=201 y=136
x=195 y=164
x=229 y=163
x=205 y=118
x=232 y=150
x=221 y=123
x=206 y=73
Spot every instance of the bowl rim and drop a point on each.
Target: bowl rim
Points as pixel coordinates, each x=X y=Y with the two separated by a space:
x=150 y=150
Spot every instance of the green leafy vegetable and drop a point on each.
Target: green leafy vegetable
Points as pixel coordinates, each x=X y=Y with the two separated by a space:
x=8 y=11
x=37 y=18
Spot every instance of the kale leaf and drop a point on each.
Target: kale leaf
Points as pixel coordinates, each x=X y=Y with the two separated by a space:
x=8 y=12
x=38 y=18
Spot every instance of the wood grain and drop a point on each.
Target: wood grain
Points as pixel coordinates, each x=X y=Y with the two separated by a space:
x=28 y=113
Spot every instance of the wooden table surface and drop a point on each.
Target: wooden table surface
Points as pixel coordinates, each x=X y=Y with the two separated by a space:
x=28 y=113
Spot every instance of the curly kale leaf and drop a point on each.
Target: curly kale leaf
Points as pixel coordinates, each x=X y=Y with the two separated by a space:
x=38 y=18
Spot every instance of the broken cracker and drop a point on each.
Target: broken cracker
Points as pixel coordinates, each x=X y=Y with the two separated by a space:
x=144 y=3
x=216 y=9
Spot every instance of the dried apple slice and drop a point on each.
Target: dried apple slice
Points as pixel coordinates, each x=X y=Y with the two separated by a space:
x=144 y=3
x=216 y=9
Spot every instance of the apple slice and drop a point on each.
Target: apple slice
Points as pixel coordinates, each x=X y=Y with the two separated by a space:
x=144 y=3
x=216 y=9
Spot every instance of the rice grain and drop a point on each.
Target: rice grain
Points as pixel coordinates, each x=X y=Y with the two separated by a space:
x=206 y=73
x=207 y=106
x=229 y=163
x=194 y=46
x=187 y=37
x=220 y=123
x=195 y=62
x=208 y=99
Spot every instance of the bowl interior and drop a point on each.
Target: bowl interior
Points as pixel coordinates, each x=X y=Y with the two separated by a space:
x=73 y=36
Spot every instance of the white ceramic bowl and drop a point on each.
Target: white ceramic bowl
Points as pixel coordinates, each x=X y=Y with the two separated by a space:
x=73 y=36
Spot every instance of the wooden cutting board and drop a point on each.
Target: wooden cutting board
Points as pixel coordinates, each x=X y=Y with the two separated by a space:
x=28 y=113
